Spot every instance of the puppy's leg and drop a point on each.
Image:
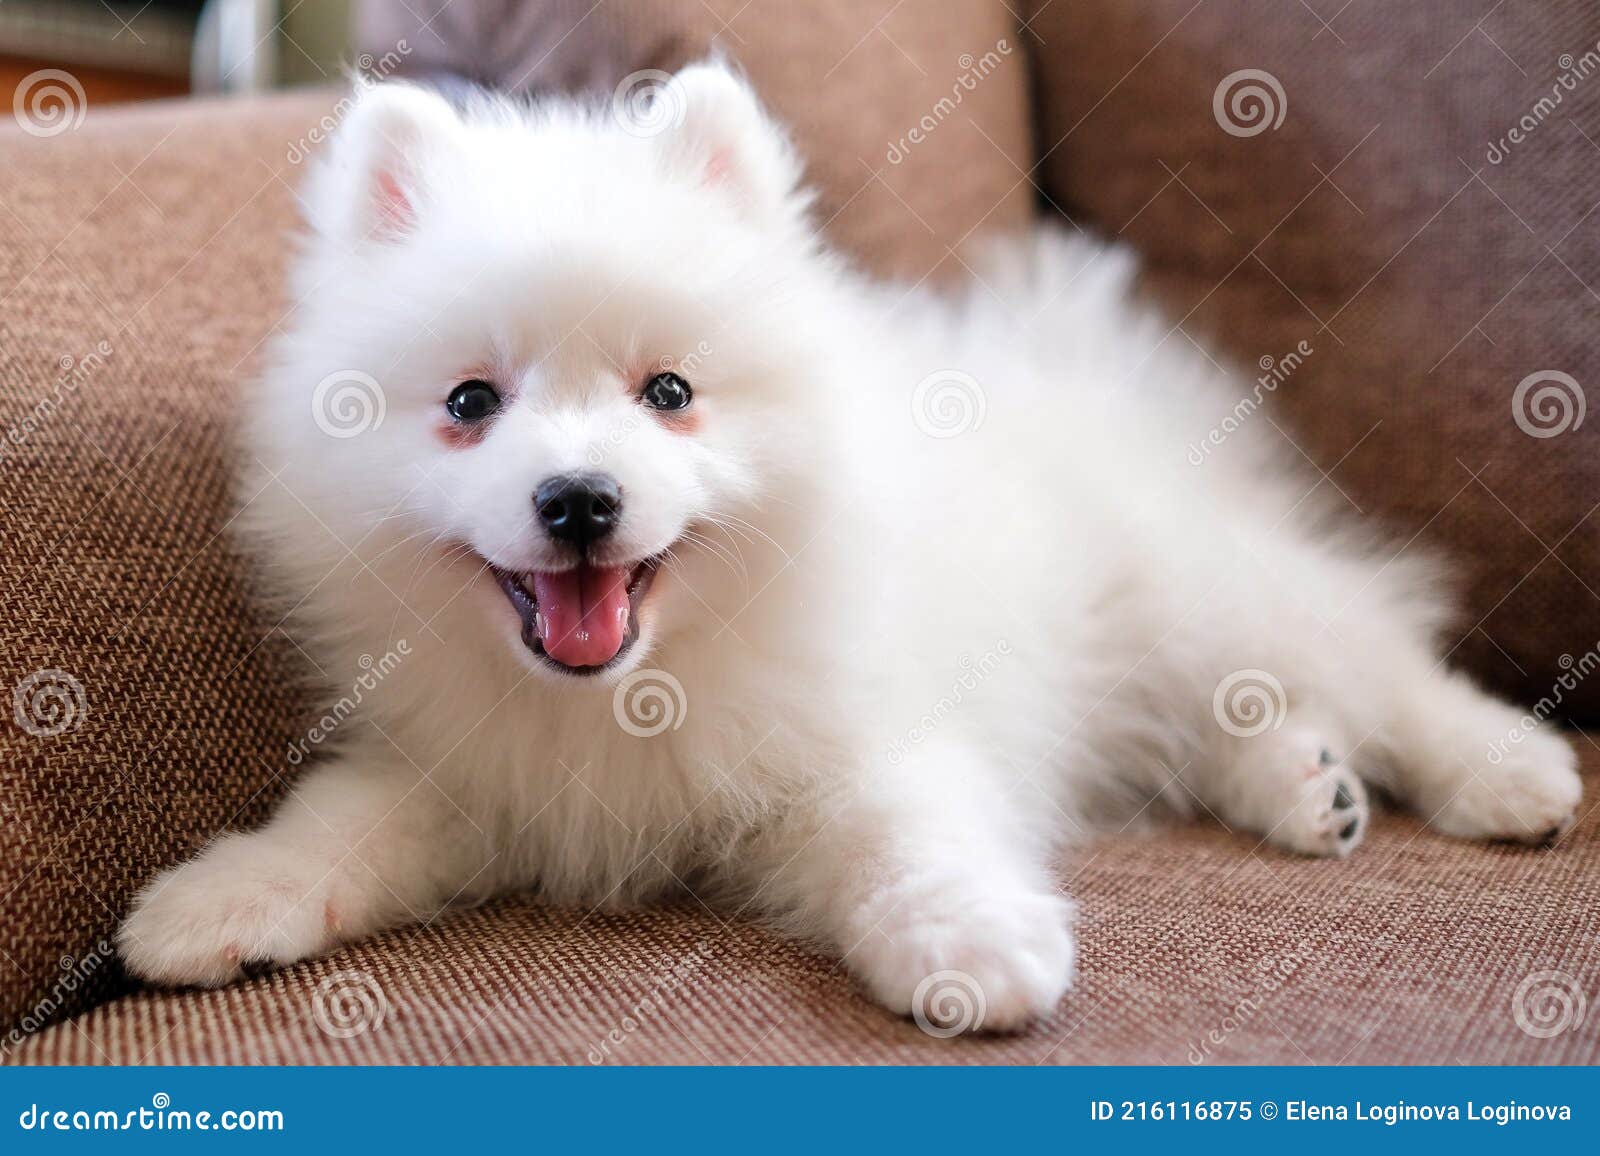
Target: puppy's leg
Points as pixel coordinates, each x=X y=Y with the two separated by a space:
x=1468 y=764
x=357 y=847
x=1460 y=758
x=927 y=880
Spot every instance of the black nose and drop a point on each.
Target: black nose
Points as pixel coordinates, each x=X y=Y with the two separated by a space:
x=579 y=508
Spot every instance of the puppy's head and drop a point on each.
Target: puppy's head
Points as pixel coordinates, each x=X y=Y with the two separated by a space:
x=578 y=325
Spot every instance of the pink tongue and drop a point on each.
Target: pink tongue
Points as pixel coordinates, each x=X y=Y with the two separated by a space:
x=583 y=613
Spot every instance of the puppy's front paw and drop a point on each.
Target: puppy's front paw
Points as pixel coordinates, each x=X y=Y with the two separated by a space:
x=967 y=954
x=246 y=899
x=1530 y=795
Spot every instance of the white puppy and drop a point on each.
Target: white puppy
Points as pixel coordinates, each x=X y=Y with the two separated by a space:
x=699 y=561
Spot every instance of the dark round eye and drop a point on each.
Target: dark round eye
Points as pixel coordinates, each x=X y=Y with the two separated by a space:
x=472 y=401
x=666 y=391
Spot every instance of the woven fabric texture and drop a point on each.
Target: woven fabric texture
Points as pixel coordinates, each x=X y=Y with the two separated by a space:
x=1197 y=946
x=142 y=257
x=1411 y=190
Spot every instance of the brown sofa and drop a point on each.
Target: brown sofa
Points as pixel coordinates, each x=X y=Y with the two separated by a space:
x=141 y=259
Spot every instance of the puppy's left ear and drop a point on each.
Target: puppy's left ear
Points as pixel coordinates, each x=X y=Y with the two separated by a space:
x=714 y=129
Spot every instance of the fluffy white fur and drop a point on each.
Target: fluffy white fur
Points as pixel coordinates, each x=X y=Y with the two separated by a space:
x=912 y=666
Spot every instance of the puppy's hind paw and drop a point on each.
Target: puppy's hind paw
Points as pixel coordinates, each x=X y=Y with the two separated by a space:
x=1329 y=816
x=1530 y=795
x=1291 y=788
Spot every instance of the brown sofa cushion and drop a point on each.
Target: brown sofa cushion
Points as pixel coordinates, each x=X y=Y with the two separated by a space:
x=1432 y=262
x=1197 y=946
x=140 y=257
x=853 y=79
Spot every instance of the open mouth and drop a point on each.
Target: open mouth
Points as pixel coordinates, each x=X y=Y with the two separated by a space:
x=583 y=619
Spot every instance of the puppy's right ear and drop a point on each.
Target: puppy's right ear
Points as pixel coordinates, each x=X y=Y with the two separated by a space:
x=373 y=181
